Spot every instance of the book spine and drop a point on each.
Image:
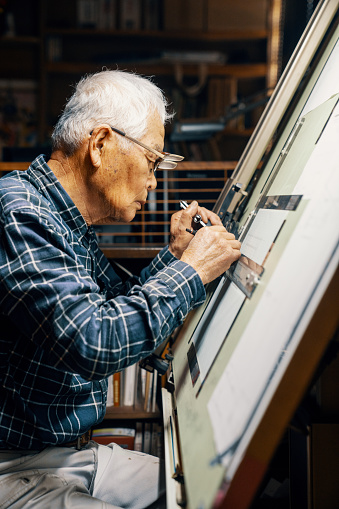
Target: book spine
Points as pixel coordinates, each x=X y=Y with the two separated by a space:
x=154 y=391
x=107 y=15
x=147 y=438
x=129 y=385
x=110 y=398
x=130 y=14
x=87 y=13
x=152 y=15
x=126 y=442
x=116 y=389
x=138 y=440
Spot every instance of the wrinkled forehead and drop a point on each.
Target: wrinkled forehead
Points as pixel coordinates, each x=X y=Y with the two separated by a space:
x=155 y=134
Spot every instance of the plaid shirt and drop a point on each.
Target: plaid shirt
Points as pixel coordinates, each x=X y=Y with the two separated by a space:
x=67 y=321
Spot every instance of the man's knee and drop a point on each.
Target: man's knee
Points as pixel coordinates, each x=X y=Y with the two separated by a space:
x=32 y=489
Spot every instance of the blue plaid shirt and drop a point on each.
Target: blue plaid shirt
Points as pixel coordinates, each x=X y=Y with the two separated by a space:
x=67 y=321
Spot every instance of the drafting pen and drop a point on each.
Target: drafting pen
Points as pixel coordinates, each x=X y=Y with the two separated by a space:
x=193 y=232
x=196 y=219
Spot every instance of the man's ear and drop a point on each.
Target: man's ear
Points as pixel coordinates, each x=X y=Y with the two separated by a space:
x=99 y=137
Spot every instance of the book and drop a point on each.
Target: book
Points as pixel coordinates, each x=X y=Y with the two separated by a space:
x=18 y=118
x=154 y=439
x=121 y=436
x=125 y=442
x=87 y=13
x=107 y=15
x=148 y=392
x=110 y=399
x=113 y=431
x=54 y=48
x=154 y=391
x=160 y=442
x=138 y=439
x=151 y=15
x=116 y=389
x=129 y=375
x=157 y=440
x=143 y=376
x=211 y=57
x=184 y=15
x=222 y=93
x=147 y=438
x=130 y=14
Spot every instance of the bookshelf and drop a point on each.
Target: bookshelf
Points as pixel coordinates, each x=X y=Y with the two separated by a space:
x=122 y=413
x=132 y=410
x=55 y=46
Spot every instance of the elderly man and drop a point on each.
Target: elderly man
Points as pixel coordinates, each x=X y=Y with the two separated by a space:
x=67 y=319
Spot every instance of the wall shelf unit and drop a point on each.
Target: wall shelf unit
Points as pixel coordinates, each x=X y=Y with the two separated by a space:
x=55 y=50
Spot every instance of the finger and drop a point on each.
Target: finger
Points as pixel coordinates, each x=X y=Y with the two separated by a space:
x=230 y=236
x=188 y=214
x=235 y=244
x=236 y=254
x=193 y=208
x=220 y=228
x=208 y=215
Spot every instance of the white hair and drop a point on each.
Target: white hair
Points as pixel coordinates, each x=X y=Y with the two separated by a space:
x=117 y=98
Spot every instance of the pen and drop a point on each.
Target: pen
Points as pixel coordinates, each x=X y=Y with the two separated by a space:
x=196 y=219
x=193 y=232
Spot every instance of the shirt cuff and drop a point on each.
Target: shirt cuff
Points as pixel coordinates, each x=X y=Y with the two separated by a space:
x=186 y=283
x=162 y=260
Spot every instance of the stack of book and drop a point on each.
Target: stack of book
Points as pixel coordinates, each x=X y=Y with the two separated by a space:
x=119 y=14
x=133 y=387
x=124 y=437
x=149 y=439
x=144 y=437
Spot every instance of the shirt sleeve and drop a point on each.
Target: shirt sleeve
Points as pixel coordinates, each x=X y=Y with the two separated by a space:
x=54 y=300
x=162 y=260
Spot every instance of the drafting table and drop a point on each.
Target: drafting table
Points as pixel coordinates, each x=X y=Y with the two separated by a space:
x=244 y=359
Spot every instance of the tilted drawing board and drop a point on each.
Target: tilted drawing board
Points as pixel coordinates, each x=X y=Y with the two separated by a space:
x=244 y=359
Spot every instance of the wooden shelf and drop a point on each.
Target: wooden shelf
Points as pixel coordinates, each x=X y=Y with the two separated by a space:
x=10 y=166
x=128 y=251
x=240 y=71
x=239 y=132
x=130 y=413
x=230 y=35
x=254 y=46
x=20 y=39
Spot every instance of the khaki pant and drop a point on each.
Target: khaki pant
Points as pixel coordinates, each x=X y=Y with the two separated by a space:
x=95 y=477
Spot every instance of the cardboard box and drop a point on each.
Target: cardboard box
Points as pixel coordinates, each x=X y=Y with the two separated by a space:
x=184 y=15
x=324 y=466
x=225 y=15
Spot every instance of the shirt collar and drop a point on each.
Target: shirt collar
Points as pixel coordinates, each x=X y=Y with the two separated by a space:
x=53 y=191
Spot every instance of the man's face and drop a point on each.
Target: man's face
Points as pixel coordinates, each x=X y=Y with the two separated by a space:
x=126 y=176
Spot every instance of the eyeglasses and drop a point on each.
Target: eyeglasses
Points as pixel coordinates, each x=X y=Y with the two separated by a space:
x=164 y=161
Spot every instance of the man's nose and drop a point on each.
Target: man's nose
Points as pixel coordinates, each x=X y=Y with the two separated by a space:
x=153 y=182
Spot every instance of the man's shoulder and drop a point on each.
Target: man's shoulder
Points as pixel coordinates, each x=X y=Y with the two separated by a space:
x=19 y=192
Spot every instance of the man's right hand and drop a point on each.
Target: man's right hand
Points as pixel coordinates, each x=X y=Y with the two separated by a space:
x=211 y=252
